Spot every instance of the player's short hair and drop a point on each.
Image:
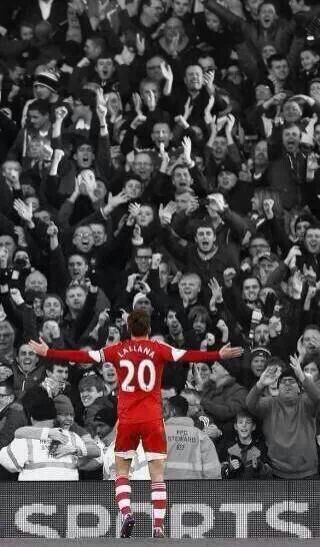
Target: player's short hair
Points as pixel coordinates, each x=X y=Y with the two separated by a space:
x=138 y=323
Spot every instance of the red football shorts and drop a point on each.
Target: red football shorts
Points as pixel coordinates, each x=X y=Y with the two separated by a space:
x=151 y=434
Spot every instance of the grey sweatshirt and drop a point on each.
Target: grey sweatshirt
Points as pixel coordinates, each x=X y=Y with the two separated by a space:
x=290 y=430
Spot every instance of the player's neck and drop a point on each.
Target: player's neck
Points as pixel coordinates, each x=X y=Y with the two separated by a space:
x=139 y=337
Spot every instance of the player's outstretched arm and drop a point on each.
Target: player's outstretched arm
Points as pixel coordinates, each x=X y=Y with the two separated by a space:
x=226 y=352
x=75 y=356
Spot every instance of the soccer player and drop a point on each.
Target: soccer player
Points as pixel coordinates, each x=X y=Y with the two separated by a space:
x=139 y=364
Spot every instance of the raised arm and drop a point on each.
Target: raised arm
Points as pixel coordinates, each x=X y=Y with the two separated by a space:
x=226 y=352
x=76 y=356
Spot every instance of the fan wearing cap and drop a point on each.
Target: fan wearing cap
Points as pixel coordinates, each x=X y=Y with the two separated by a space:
x=288 y=421
x=237 y=194
x=267 y=263
x=258 y=361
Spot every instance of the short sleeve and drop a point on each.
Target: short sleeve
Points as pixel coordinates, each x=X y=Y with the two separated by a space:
x=169 y=353
x=108 y=354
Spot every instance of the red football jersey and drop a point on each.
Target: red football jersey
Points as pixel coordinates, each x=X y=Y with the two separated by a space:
x=139 y=366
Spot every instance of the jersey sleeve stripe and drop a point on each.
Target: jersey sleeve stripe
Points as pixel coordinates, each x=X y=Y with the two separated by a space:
x=177 y=353
x=96 y=356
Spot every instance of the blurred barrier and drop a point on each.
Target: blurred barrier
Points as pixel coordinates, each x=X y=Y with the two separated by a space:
x=196 y=509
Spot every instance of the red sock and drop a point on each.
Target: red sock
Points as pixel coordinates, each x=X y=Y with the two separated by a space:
x=123 y=494
x=159 y=501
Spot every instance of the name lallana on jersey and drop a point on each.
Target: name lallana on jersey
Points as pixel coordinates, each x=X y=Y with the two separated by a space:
x=136 y=349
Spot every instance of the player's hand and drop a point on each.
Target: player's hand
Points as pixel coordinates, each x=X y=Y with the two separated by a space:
x=227 y=352
x=40 y=349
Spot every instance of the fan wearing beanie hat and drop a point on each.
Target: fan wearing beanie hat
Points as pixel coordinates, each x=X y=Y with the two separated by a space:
x=140 y=296
x=62 y=411
x=45 y=84
x=35 y=455
x=260 y=352
x=258 y=361
x=65 y=411
x=63 y=406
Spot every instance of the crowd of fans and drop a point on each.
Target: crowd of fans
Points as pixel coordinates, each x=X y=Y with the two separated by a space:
x=161 y=155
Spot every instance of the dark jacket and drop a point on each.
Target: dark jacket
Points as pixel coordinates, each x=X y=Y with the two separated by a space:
x=23 y=381
x=222 y=403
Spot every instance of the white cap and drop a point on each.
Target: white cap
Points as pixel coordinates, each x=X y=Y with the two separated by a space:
x=138 y=296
